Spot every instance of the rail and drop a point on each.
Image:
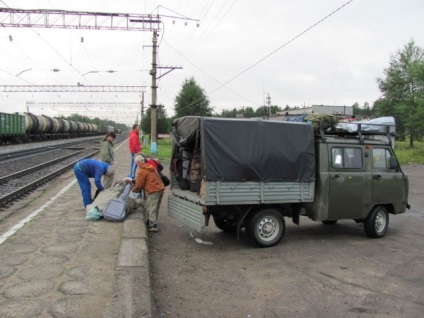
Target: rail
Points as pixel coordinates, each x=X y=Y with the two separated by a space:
x=15 y=185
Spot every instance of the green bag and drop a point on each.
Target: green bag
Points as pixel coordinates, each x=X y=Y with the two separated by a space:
x=328 y=121
x=93 y=215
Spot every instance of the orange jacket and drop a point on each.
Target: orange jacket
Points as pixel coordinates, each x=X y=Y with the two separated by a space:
x=147 y=178
x=135 y=146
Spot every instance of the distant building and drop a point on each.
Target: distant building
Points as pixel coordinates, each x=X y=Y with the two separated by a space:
x=333 y=110
x=345 y=111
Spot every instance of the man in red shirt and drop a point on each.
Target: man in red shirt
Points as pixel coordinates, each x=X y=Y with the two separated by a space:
x=135 y=146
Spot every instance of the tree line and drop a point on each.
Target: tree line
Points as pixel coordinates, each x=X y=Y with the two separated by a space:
x=401 y=87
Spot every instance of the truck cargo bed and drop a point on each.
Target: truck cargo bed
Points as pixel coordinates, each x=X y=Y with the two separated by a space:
x=186 y=206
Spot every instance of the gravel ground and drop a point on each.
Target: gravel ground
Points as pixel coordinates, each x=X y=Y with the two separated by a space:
x=316 y=271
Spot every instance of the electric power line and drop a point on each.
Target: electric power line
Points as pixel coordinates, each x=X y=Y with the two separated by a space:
x=211 y=77
x=284 y=45
x=276 y=50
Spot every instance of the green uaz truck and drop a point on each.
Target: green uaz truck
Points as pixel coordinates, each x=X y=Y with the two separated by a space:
x=253 y=174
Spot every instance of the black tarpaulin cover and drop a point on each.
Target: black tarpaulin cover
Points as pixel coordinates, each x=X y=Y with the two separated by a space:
x=250 y=150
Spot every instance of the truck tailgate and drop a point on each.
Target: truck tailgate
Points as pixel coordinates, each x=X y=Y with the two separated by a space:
x=186 y=212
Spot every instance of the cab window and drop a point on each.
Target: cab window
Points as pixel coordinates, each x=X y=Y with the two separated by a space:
x=346 y=157
x=381 y=158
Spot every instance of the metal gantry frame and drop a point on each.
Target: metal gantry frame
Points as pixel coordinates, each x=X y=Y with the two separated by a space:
x=63 y=19
x=70 y=88
x=20 y=18
x=43 y=18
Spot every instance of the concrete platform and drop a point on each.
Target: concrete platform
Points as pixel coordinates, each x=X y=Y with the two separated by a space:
x=53 y=263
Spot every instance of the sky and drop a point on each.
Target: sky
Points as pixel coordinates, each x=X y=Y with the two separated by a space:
x=299 y=53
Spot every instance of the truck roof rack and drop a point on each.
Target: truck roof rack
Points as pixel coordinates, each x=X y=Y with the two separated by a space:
x=355 y=130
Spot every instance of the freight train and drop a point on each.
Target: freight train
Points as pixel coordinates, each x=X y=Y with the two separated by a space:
x=27 y=127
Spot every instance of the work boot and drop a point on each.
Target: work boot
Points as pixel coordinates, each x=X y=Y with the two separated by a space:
x=153 y=228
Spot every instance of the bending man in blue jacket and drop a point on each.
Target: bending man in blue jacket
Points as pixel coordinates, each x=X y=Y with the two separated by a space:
x=90 y=168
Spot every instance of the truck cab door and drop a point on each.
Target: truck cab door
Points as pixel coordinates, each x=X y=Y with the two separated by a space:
x=389 y=184
x=347 y=183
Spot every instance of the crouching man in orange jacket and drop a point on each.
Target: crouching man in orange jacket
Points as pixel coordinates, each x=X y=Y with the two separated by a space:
x=148 y=178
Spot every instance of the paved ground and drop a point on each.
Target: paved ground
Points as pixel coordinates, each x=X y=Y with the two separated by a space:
x=59 y=265
x=53 y=263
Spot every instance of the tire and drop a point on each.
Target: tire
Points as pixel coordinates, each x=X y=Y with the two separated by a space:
x=329 y=222
x=266 y=228
x=225 y=225
x=377 y=222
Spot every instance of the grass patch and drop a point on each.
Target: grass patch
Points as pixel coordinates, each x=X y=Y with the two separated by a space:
x=407 y=155
x=164 y=148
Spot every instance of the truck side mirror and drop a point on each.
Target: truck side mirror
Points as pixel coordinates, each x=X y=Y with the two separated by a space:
x=393 y=162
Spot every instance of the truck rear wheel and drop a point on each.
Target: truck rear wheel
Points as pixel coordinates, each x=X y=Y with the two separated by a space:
x=377 y=222
x=266 y=228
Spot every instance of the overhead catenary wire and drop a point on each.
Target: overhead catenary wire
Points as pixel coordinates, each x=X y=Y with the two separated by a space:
x=51 y=47
x=211 y=77
x=183 y=41
x=211 y=27
x=276 y=50
x=283 y=45
x=31 y=61
x=68 y=63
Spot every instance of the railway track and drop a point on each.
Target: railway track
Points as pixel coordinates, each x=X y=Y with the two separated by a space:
x=16 y=151
x=13 y=186
x=24 y=171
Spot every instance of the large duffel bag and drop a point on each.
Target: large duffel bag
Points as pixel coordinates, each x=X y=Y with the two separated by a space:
x=102 y=200
x=117 y=209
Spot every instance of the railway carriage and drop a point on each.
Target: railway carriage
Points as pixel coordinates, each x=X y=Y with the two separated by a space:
x=12 y=128
x=27 y=127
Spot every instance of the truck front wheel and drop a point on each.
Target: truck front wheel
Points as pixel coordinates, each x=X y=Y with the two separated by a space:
x=266 y=228
x=377 y=222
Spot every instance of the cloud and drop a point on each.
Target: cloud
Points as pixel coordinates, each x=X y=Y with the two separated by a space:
x=252 y=46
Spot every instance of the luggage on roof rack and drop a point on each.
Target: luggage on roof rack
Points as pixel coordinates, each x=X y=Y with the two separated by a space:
x=382 y=128
x=318 y=121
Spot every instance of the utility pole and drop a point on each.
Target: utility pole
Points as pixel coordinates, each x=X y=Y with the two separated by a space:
x=28 y=104
x=268 y=102
x=142 y=115
x=153 y=146
x=153 y=105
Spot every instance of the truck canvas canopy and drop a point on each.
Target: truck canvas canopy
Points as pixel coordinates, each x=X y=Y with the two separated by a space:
x=234 y=150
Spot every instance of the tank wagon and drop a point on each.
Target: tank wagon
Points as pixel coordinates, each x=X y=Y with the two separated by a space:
x=27 y=127
x=106 y=129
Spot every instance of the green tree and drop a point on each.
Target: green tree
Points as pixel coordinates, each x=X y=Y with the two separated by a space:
x=191 y=100
x=249 y=112
x=261 y=112
x=228 y=113
x=403 y=91
x=163 y=123
x=275 y=109
x=365 y=110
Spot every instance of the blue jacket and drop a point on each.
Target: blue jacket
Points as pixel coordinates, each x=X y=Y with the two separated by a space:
x=94 y=169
